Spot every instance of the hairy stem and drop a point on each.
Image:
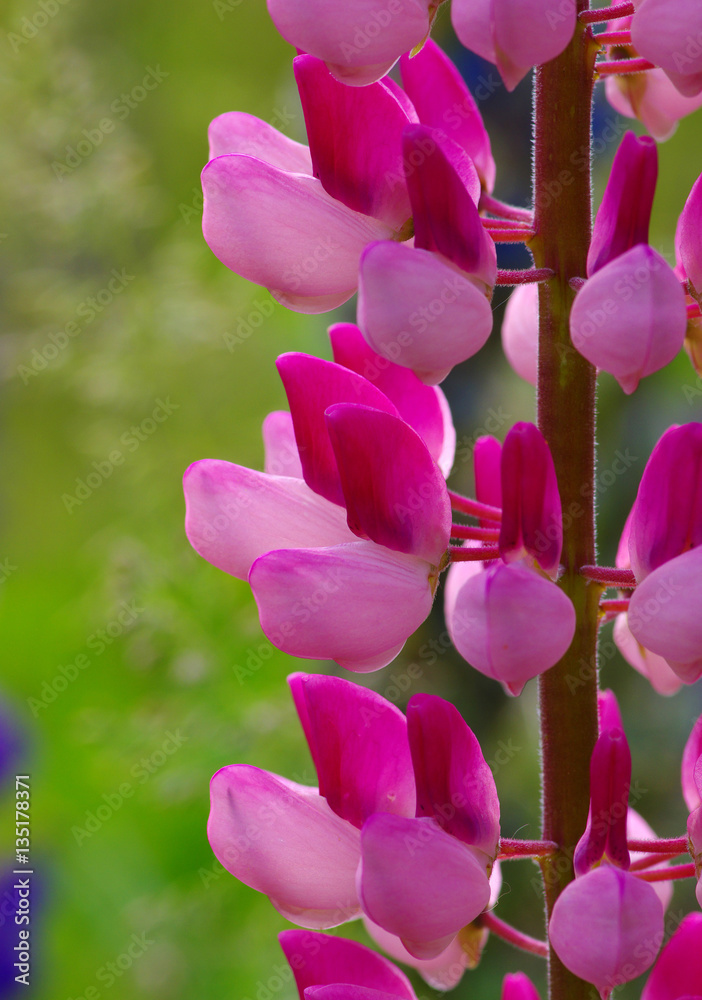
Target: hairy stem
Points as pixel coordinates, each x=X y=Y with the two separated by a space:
x=566 y=413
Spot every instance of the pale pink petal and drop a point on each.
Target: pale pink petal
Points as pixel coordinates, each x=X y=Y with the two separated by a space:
x=418 y=882
x=355 y=604
x=654 y=668
x=358 y=39
x=691 y=754
x=652 y=98
x=355 y=137
x=509 y=623
x=667 y=33
x=520 y=331
x=630 y=318
x=532 y=524
x=418 y=311
x=238 y=132
x=441 y=973
x=514 y=34
x=624 y=216
x=283 y=231
x=607 y=927
x=395 y=492
x=312 y=385
x=423 y=407
x=446 y=218
x=359 y=746
x=664 y=614
x=321 y=960
x=638 y=829
x=443 y=101
x=282 y=456
x=234 y=515
x=678 y=971
x=308 y=874
x=455 y=786
x=667 y=517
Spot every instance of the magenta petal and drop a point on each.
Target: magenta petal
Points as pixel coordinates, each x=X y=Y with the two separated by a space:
x=312 y=385
x=358 y=39
x=687 y=238
x=654 y=668
x=666 y=32
x=514 y=34
x=446 y=218
x=508 y=622
x=630 y=318
x=282 y=230
x=455 y=786
x=345 y=991
x=234 y=515
x=487 y=467
x=610 y=780
x=607 y=927
x=442 y=972
x=532 y=522
x=624 y=216
x=690 y=771
x=282 y=456
x=355 y=137
x=418 y=882
x=309 y=873
x=355 y=604
x=359 y=746
x=667 y=517
x=518 y=986
x=238 y=132
x=417 y=310
x=321 y=960
x=664 y=614
x=394 y=491
x=423 y=407
x=520 y=331
x=678 y=971
x=443 y=101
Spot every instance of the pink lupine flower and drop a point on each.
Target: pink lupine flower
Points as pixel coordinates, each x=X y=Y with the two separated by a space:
x=425 y=305
x=678 y=971
x=687 y=239
x=295 y=219
x=520 y=331
x=518 y=986
x=442 y=101
x=515 y=35
x=654 y=668
x=607 y=925
x=667 y=32
x=506 y=619
x=417 y=789
x=630 y=318
x=652 y=98
x=343 y=563
x=623 y=218
x=689 y=769
x=327 y=967
x=358 y=40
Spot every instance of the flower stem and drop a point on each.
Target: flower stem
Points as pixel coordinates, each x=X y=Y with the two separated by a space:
x=477 y=534
x=566 y=412
x=511 y=934
x=503 y=210
x=610 y=576
x=484 y=553
x=531 y=274
x=606 y=13
x=618 y=67
x=525 y=848
x=474 y=508
x=666 y=874
x=673 y=845
x=613 y=38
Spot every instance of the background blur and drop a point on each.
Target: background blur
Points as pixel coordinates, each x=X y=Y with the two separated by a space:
x=132 y=669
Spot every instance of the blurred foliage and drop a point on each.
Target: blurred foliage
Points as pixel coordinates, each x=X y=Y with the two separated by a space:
x=182 y=681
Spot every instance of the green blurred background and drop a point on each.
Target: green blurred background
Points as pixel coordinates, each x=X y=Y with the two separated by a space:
x=182 y=681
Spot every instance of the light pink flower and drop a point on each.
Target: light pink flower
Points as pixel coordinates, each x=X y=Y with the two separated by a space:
x=668 y=33
x=520 y=331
